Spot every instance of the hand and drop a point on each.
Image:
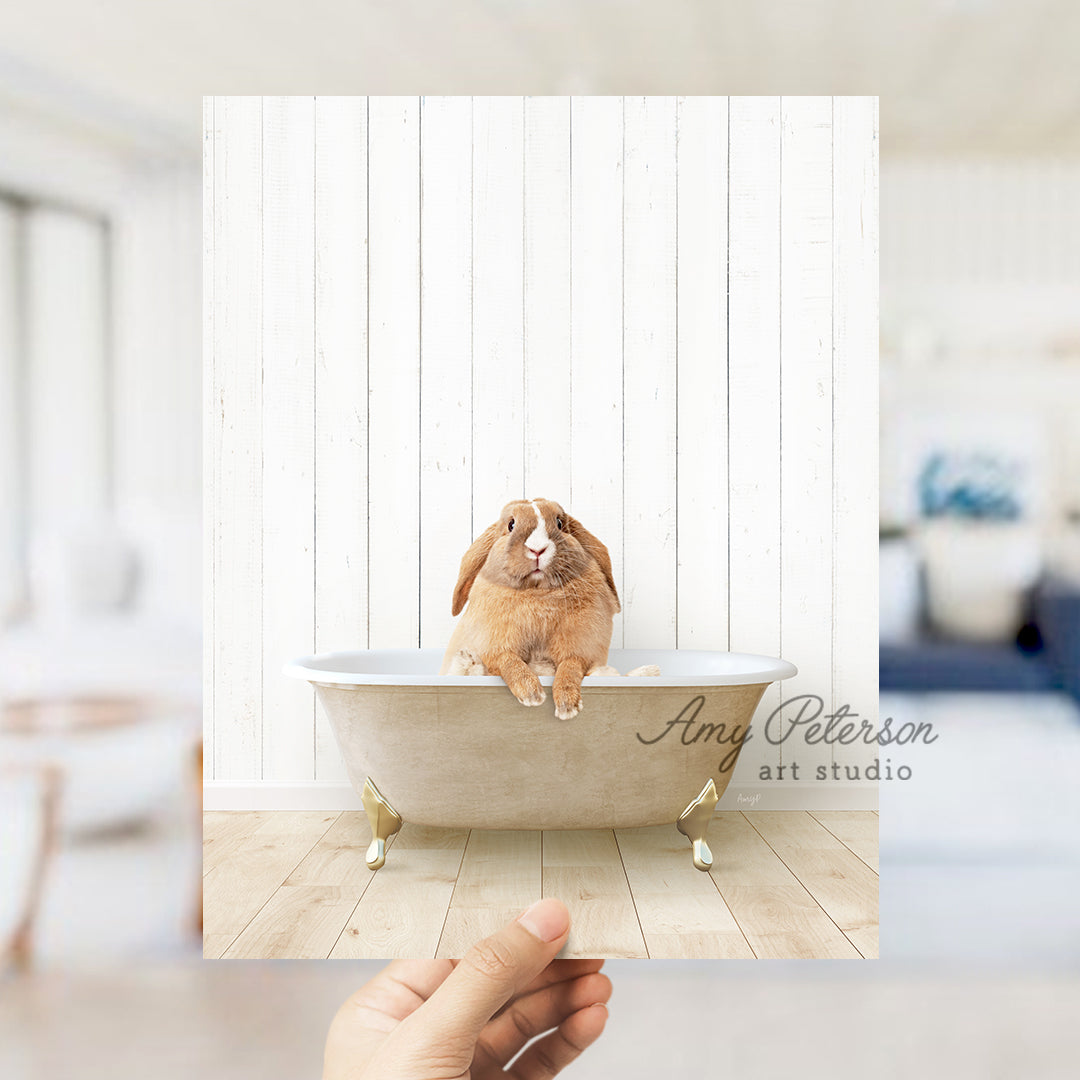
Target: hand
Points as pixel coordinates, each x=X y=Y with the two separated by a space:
x=465 y=1020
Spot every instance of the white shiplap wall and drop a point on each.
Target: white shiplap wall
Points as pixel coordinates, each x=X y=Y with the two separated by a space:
x=660 y=311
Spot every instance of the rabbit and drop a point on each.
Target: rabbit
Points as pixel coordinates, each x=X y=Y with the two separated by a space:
x=540 y=591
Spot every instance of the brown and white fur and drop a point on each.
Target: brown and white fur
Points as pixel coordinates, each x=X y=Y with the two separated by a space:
x=540 y=592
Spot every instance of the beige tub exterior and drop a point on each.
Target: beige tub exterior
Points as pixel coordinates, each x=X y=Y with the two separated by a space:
x=458 y=751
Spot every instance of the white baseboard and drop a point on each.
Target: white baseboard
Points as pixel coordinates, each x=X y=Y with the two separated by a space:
x=278 y=795
x=797 y=795
x=312 y=795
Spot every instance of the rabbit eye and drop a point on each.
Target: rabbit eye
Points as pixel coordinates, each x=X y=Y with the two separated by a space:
x=510 y=527
x=558 y=522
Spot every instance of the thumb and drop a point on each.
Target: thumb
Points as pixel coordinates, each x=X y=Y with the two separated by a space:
x=491 y=973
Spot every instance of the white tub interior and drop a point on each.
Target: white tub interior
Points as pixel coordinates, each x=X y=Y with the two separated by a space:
x=419 y=667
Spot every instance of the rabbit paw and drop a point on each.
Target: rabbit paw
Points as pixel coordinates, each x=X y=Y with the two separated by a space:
x=646 y=669
x=466 y=662
x=568 y=704
x=529 y=692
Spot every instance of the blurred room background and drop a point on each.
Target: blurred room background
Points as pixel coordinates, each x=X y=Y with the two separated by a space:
x=100 y=413
x=100 y=476
x=980 y=548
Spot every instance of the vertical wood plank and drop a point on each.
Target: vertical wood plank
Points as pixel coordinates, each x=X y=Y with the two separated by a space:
x=855 y=413
x=402 y=912
x=701 y=464
x=288 y=443
x=754 y=399
x=237 y=422
x=679 y=908
x=500 y=876
x=446 y=422
x=394 y=373
x=341 y=393
x=583 y=869
x=649 y=380
x=497 y=308
x=806 y=613
x=547 y=298
x=596 y=335
x=210 y=429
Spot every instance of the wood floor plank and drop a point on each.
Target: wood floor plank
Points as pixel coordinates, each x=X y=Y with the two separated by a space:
x=583 y=869
x=238 y=885
x=227 y=824
x=403 y=910
x=842 y=884
x=741 y=856
x=245 y=829
x=865 y=939
x=791 y=829
x=299 y=922
x=215 y=944
x=225 y=830
x=338 y=857
x=775 y=912
x=784 y=884
x=855 y=829
x=673 y=899
x=731 y=946
x=500 y=877
x=784 y=922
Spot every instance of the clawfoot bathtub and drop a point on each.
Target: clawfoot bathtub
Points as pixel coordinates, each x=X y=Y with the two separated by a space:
x=460 y=751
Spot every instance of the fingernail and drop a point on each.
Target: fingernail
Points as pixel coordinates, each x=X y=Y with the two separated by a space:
x=546 y=919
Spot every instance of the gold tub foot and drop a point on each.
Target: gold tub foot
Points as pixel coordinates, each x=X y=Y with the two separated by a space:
x=384 y=821
x=694 y=820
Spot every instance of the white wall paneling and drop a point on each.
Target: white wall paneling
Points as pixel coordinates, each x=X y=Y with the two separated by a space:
x=289 y=428
x=341 y=421
x=394 y=372
x=649 y=369
x=753 y=372
x=806 y=406
x=701 y=354
x=498 y=332
x=659 y=311
x=546 y=420
x=596 y=326
x=855 y=413
x=446 y=356
x=235 y=428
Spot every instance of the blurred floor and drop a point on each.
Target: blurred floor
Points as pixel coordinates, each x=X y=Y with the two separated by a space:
x=267 y=1020
x=980 y=848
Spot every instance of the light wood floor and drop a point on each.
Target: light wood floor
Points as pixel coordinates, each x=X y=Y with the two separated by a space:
x=785 y=884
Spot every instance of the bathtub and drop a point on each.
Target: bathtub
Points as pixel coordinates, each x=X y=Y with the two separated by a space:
x=460 y=751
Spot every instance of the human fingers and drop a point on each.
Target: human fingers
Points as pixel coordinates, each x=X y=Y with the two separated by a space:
x=557 y=971
x=397 y=991
x=548 y=1056
x=533 y=1014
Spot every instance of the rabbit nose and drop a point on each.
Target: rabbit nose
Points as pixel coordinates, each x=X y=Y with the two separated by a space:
x=536 y=554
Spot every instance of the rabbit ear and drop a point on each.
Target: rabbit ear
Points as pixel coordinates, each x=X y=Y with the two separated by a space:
x=596 y=550
x=472 y=562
